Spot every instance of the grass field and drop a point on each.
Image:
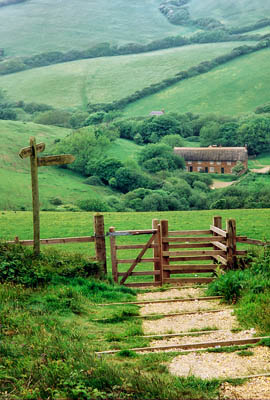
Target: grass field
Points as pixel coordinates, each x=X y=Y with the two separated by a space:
x=37 y=26
x=105 y=79
x=230 y=12
x=15 y=184
x=238 y=86
x=124 y=150
x=251 y=223
x=260 y=161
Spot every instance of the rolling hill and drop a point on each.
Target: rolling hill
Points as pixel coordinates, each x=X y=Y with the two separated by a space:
x=236 y=87
x=106 y=79
x=15 y=183
x=80 y=24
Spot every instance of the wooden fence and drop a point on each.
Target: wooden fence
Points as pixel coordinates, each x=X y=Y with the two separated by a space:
x=192 y=254
x=98 y=239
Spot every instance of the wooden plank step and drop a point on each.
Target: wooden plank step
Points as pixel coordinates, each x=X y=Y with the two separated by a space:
x=188 y=280
x=167 y=315
x=221 y=260
x=195 y=253
x=163 y=301
x=192 y=346
x=189 y=268
x=219 y=231
x=190 y=232
x=142 y=284
x=194 y=239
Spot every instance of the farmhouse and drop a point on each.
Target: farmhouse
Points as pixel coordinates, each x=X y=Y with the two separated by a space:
x=213 y=159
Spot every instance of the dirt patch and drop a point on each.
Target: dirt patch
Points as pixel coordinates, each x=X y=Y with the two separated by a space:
x=263 y=170
x=254 y=389
x=221 y=365
x=172 y=294
x=220 y=184
x=184 y=323
x=185 y=306
x=211 y=337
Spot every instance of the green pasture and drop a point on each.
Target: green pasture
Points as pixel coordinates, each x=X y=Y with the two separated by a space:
x=260 y=161
x=230 y=12
x=124 y=150
x=37 y=26
x=15 y=183
x=106 y=79
x=252 y=223
x=236 y=87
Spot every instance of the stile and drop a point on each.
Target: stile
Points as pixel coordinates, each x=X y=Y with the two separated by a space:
x=113 y=255
x=156 y=250
x=100 y=241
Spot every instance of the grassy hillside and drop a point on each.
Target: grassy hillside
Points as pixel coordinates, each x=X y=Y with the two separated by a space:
x=124 y=150
x=231 y=12
x=105 y=79
x=15 y=184
x=37 y=26
x=238 y=86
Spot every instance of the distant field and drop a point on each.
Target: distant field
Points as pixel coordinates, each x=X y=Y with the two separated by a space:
x=37 y=26
x=259 y=161
x=124 y=150
x=252 y=223
x=105 y=79
x=231 y=12
x=238 y=86
x=15 y=183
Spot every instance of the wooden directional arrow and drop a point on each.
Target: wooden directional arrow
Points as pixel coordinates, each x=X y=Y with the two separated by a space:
x=27 y=151
x=55 y=160
x=36 y=162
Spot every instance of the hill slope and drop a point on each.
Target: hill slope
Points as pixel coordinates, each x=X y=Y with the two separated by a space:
x=238 y=86
x=15 y=183
x=106 y=79
x=37 y=26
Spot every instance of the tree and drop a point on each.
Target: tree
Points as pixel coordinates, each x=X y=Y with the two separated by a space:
x=255 y=133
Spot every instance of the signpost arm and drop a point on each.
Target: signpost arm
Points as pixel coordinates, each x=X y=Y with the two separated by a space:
x=35 y=195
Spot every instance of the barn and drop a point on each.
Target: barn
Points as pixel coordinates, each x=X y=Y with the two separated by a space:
x=212 y=159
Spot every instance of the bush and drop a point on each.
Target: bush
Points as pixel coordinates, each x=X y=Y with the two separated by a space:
x=93 y=205
x=94 y=181
x=54 y=117
x=19 y=265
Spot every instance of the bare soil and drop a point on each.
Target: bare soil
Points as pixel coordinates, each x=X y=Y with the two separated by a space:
x=253 y=389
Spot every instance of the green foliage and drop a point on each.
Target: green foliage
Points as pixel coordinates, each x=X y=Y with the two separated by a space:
x=93 y=205
x=54 y=117
x=19 y=265
x=265 y=108
x=158 y=157
x=173 y=140
x=93 y=181
x=238 y=168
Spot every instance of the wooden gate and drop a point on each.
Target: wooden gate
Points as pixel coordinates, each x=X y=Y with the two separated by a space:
x=192 y=254
x=153 y=243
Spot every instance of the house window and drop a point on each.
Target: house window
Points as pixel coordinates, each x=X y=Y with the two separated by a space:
x=189 y=162
x=199 y=162
x=229 y=163
x=211 y=162
x=212 y=169
x=199 y=169
x=218 y=162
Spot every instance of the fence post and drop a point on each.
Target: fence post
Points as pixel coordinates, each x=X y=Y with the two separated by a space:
x=16 y=240
x=231 y=243
x=113 y=255
x=100 y=241
x=217 y=222
x=156 y=250
x=164 y=229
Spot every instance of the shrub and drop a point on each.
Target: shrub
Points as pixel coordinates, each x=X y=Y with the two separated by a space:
x=94 y=181
x=93 y=205
x=19 y=265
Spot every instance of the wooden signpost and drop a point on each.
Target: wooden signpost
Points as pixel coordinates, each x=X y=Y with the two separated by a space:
x=35 y=162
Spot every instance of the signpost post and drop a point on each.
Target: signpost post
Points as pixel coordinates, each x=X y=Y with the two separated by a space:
x=35 y=162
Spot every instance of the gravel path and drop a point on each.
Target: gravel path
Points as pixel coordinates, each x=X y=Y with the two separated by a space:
x=185 y=306
x=172 y=294
x=253 y=389
x=184 y=323
x=211 y=337
x=221 y=365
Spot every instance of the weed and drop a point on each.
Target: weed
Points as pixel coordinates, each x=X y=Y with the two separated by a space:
x=245 y=353
x=127 y=353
